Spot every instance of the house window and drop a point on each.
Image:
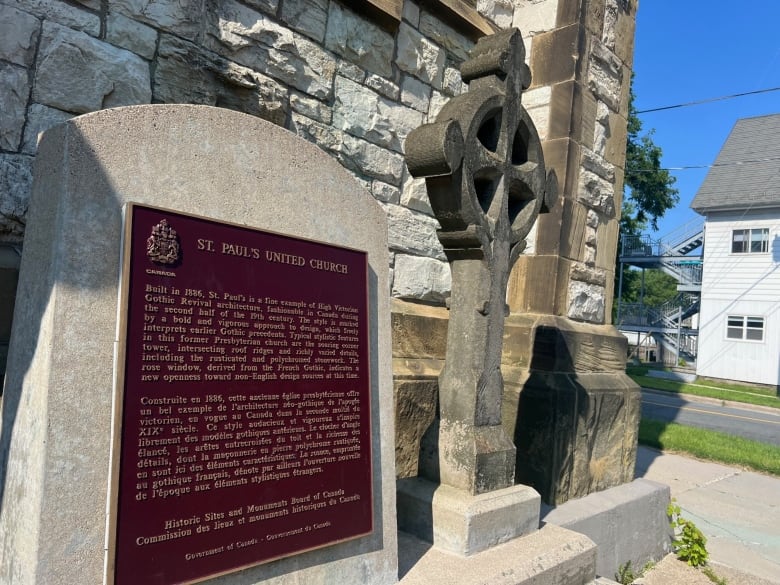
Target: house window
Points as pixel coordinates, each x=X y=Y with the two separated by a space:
x=745 y=328
x=752 y=241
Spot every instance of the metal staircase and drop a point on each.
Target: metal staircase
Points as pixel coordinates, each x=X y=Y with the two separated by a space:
x=670 y=254
x=669 y=324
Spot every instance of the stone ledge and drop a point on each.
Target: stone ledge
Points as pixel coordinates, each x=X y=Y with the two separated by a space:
x=550 y=556
x=628 y=523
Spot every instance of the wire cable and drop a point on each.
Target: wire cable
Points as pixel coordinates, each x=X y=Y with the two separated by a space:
x=692 y=167
x=709 y=100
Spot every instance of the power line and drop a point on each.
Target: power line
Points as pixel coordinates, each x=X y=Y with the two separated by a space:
x=692 y=167
x=709 y=100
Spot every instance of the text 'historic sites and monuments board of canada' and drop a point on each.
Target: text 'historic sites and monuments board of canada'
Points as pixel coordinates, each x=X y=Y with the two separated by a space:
x=245 y=398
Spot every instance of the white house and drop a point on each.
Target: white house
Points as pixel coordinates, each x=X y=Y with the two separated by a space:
x=739 y=331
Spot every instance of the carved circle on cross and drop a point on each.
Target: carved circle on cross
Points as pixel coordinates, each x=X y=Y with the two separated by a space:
x=482 y=158
x=504 y=167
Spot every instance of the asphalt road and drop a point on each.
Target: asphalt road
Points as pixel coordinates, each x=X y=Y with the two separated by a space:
x=751 y=423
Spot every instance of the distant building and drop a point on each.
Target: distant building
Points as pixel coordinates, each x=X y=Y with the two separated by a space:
x=739 y=331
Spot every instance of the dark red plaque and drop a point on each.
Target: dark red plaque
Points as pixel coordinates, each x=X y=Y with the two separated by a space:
x=244 y=405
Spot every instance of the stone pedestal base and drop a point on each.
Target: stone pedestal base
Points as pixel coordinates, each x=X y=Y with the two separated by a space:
x=463 y=524
x=571 y=410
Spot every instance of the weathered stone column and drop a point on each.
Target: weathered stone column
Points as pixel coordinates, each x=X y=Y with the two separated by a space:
x=570 y=408
x=486 y=181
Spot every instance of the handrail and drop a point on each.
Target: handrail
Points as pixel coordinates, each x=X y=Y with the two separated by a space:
x=681 y=302
x=685 y=232
x=684 y=342
x=666 y=315
x=668 y=245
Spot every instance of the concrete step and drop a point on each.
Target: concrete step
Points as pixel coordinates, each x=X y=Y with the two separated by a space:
x=549 y=556
x=627 y=522
x=604 y=581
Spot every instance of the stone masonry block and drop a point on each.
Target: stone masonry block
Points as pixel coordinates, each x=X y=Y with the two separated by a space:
x=415 y=93
x=359 y=40
x=415 y=409
x=79 y=74
x=596 y=192
x=419 y=331
x=415 y=195
x=185 y=73
x=180 y=17
x=365 y=114
x=615 y=148
x=253 y=40
x=624 y=28
x=573 y=225
x=554 y=58
x=605 y=76
x=422 y=279
x=452 y=82
x=387 y=88
x=63 y=13
x=18 y=35
x=14 y=92
x=308 y=17
x=530 y=282
x=39 y=119
x=432 y=27
x=15 y=184
x=311 y=108
x=385 y=192
x=413 y=233
x=499 y=11
x=575 y=433
x=533 y=18
x=419 y=56
x=131 y=35
x=594 y=17
x=587 y=302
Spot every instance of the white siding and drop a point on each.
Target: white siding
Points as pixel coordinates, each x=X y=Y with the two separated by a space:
x=740 y=284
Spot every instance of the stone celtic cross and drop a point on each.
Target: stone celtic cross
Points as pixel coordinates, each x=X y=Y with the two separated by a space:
x=485 y=175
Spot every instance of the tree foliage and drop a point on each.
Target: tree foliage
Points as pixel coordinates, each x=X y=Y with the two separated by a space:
x=659 y=288
x=648 y=193
x=648 y=190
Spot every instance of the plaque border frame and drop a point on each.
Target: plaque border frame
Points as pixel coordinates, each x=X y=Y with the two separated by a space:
x=118 y=391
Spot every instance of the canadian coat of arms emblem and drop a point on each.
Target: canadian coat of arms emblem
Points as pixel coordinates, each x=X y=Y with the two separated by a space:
x=163 y=245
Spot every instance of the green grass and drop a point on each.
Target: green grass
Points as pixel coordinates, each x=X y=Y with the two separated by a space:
x=710 y=445
x=720 y=390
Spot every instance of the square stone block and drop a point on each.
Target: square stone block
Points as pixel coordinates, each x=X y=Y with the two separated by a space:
x=463 y=524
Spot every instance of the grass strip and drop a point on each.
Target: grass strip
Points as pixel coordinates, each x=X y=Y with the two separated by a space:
x=748 y=395
x=710 y=445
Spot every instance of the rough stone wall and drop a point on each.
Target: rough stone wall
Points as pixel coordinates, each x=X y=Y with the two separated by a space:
x=327 y=73
x=316 y=67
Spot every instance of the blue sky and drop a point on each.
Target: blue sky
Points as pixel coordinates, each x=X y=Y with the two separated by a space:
x=693 y=50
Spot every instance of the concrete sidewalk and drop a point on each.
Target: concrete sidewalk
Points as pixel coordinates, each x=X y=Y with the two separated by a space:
x=738 y=511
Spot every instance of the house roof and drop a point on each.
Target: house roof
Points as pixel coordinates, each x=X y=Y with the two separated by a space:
x=746 y=173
